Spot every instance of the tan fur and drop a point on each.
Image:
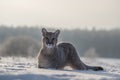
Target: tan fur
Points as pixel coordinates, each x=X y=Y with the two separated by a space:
x=53 y=55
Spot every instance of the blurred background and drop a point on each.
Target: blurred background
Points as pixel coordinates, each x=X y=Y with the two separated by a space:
x=92 y=26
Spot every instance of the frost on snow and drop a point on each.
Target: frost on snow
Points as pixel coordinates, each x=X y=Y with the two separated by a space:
x=16 y=68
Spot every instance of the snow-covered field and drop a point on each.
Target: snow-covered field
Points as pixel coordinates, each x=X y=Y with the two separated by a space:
x=26 y=69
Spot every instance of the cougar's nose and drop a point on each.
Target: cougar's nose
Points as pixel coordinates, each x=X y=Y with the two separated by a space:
x=50 y=42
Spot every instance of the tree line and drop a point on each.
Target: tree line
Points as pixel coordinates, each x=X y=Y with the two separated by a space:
x=106 y=43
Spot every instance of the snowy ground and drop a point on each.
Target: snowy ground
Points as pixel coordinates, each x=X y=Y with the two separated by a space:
x=26 y=69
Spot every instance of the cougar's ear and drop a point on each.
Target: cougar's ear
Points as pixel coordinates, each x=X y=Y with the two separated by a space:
x=44 y=31
x=57 y=32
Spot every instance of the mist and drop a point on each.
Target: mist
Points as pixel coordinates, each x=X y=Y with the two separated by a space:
x=26 y=41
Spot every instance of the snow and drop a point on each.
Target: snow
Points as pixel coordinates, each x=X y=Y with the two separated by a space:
x=17 y=68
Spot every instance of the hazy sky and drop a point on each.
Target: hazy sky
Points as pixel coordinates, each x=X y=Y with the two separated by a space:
x=61 y=13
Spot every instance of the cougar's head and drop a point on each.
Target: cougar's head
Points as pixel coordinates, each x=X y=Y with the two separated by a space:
x=50 y=38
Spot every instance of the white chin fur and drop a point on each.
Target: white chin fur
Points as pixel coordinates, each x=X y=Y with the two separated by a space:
x=49 y=45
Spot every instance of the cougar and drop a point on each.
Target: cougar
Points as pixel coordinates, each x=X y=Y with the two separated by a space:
x=53 y=55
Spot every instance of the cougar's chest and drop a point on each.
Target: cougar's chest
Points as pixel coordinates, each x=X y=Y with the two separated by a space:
x=47 y=61
x=43 y=62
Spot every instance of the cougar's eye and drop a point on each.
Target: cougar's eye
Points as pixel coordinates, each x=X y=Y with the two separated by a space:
x=53 y=39
x=46 y=38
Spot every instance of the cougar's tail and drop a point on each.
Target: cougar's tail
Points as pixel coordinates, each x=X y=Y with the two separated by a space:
x=95 y=68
